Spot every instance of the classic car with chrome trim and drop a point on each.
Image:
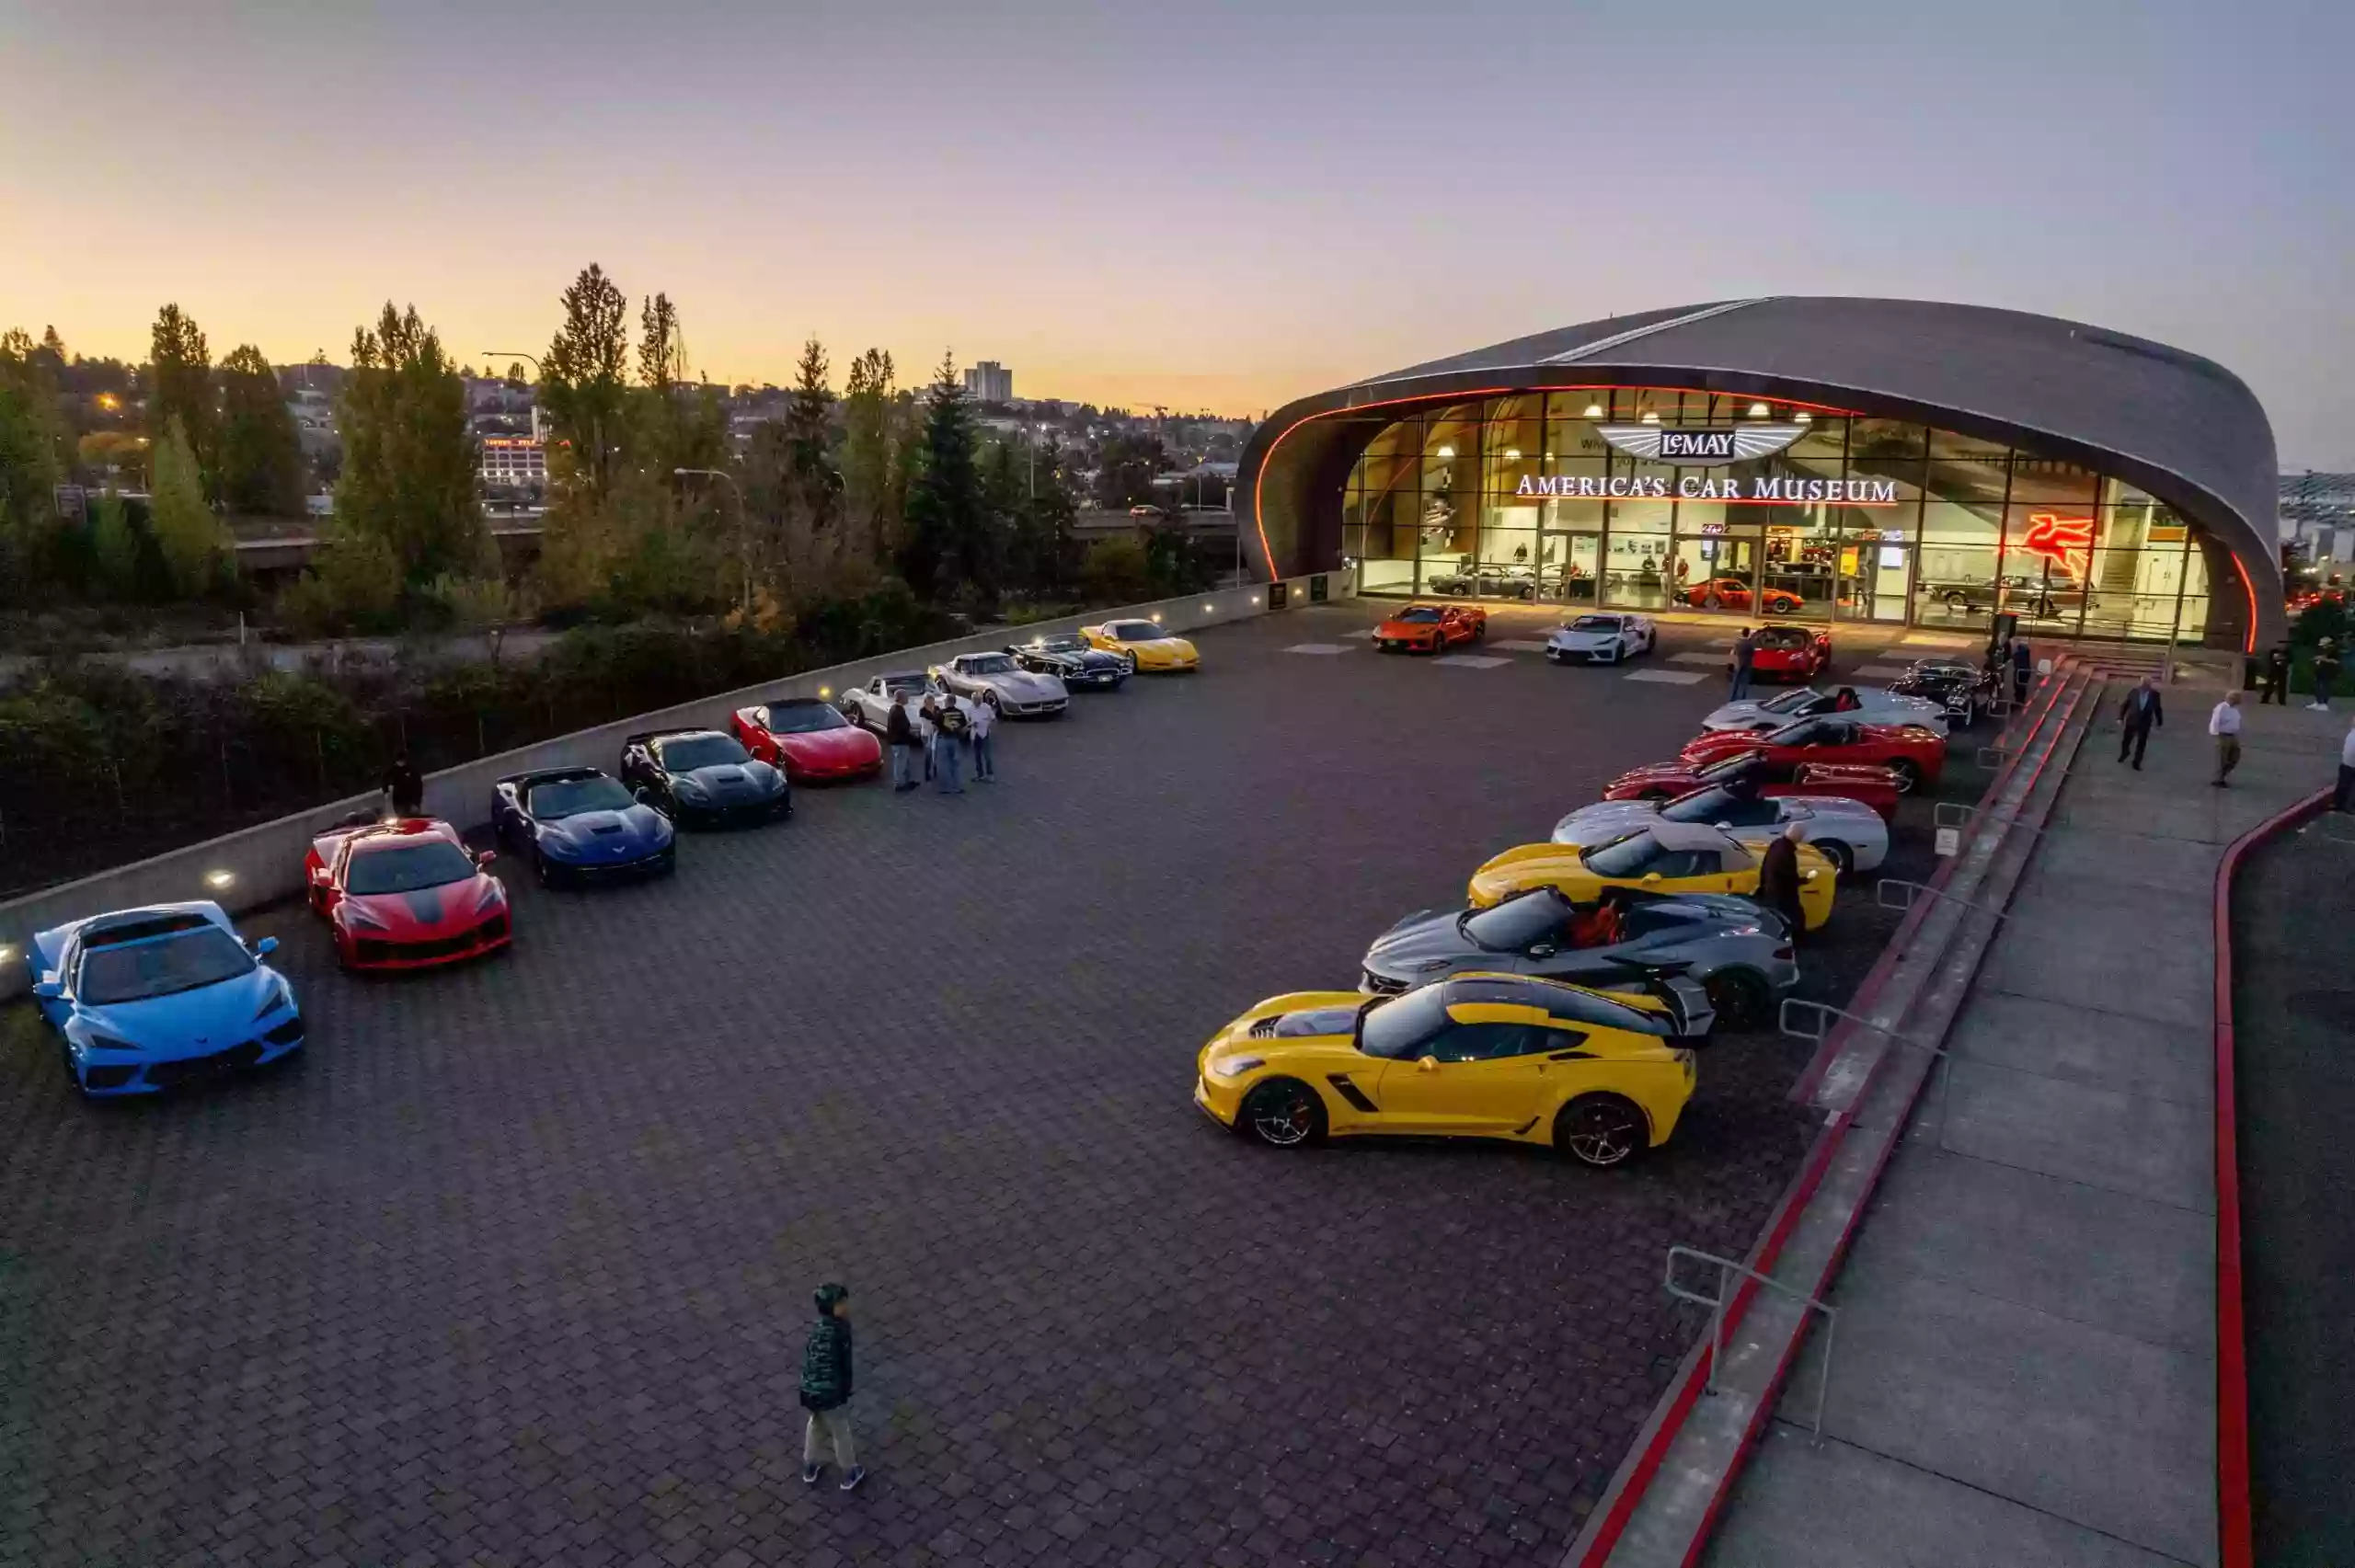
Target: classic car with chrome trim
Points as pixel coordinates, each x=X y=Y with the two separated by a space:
x=1070 y=657
x=996 y=680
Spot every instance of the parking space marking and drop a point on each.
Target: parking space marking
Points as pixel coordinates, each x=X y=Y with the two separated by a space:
x=1667 y=676
x=1709 y=658
x=1519 y=647
x=1470 y=660
x=1367 y=633
x=1884 y=671
x=1938 y=639
x=1319 y=648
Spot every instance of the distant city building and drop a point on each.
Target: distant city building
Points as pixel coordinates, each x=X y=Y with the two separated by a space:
x=988 y=381
x=514 y=460
x=2312 y=500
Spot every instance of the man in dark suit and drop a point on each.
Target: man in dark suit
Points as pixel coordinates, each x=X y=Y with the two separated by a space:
x=2137 y=716
x=1778 y=879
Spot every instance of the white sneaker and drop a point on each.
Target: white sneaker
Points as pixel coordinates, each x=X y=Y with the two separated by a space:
x=2317 y=708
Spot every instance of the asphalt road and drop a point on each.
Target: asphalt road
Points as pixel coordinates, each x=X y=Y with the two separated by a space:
x=516 y=1268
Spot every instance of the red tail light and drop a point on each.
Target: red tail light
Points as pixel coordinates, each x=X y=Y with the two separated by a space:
x=1786 y=954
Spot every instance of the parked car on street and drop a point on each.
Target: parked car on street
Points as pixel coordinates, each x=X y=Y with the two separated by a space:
x=1872 y=705
x=1431 y=628
x=1915 y=752
x=406 y=894
x=1966 y=689
x=1659 y=857
x=1850 y=833
x=1606 y=637
x=1789 y=653
x=809 y=738
x=869 y=706
x=995 y=679
x=703 y=778
x=578 y=825
x=1068 y=655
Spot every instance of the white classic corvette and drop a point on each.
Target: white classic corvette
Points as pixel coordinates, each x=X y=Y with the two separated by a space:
x=1604 y=637
x=1867 y=704
x=1850 y=833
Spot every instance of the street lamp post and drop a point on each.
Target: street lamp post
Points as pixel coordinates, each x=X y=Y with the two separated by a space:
x=743 y=525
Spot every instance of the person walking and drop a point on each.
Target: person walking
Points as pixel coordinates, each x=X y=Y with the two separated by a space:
x=928 y=731
x=2225 y=724
x=954 y=723
x=2338 y=797
x=404 y=786
x=899 y=740
x=2137 y=716
x=1745 y=653
x=2325 y=674
x=826 y=1389
x=2023 y=668
x=984 y=754
x=2277 y=677
x=1778 y=879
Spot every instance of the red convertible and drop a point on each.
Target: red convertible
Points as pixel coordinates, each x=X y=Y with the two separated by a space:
x=1749 y=772
x=809 y=740
x=1915 y=754
x=406 y=895
x=1733 y=593
x=1428 y=629
x=1789 y=653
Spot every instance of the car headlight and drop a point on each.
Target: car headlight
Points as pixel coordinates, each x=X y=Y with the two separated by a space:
x=1237 y=1066
x=97 y=1042
x=492 y=896
x=777 y=782
x=353 y=915
x=1742 y=931
x=278 y=997
x=688 y=789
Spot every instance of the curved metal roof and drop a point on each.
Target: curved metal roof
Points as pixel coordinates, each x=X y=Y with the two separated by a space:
x=2182 y=427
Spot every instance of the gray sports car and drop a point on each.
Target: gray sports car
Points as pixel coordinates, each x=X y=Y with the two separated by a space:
x=1738 y=952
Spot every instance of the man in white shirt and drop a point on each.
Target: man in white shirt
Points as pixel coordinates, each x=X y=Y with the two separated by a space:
x=2338 y=797
x=984 y=754
x=2225 y=724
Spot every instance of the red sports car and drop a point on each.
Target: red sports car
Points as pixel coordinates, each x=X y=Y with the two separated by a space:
x=1733 y=593
x=1915 y=754
x=809 y=738
x=406 y=895
x=1428 y=629
x=1750 y=770
x=1789 y=653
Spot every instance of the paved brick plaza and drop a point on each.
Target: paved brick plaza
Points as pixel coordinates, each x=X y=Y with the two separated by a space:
x=516 y=1269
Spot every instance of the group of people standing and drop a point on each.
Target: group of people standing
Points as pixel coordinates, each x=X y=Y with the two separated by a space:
x=2273 y=683
x=940 y=735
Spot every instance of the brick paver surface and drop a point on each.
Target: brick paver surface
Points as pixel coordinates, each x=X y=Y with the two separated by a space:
x=516 y=1268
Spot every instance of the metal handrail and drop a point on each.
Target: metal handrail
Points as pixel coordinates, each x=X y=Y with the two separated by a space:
x=1882 y=897
x=1716 y=1305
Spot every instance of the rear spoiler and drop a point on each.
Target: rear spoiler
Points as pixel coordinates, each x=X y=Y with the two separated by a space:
x=1689 y=1011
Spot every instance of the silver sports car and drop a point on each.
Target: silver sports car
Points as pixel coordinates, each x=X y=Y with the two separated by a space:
x=1850 y=833
x=1867 y=704
x=995 y=679
x=1739 y=953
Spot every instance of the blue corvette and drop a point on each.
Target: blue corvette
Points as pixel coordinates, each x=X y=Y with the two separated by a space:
x=145 y=1000
x=579 y=825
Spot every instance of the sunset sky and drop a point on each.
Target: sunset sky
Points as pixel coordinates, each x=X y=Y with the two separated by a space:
x=1199 y=205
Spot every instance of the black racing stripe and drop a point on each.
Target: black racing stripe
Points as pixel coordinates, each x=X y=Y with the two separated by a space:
x=424 y=905
x=1349 y=1091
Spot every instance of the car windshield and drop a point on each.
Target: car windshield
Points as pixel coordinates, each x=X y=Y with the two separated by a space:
x=560 y=798
x=406 y=867
x=1627 y=855
x=1594 y=623
x=1790 y=702
x=988 y=664
x=702 y=752
x=1709 y=805
x=1134 y=631
x=1517 y=923
x=1424 y=613
x=1396 y=1028
x=1062 y=642
x=914 y=685
x=803 y=719
x=1729 y=769
x=183 y=961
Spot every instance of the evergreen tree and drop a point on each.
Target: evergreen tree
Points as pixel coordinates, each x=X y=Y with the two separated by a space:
x=947 y=533
x=809 y=429
x=408 y=460
x=114 y=547
x=662 y=350
x=260 y=457
x=194 y=546
x=182 y=386
x=869 y=494
x=32 y=462
x=586 y=372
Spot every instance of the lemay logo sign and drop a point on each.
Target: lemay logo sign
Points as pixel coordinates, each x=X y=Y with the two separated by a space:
x=1699 y=447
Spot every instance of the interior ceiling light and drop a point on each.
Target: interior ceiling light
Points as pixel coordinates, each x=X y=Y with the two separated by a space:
x=1652 y=417
x=1447 y=452
x=1758 y=410
x=1513 y=454
x=1804 y=417
x=1594 y=410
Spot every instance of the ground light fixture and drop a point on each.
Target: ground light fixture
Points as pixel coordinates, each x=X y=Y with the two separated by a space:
x=1255 y=599
x=1208 y=608
x=825 y=691
x=1156 y=615
x=8 y=954
x=220 y=881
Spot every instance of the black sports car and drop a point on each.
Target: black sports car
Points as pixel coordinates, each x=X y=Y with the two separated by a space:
x=579 y=825
x=704 y=778
x=1967 y=689
x=1082 y=668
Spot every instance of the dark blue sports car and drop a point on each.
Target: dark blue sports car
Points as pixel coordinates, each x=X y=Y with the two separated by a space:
x=578 y=825
x=150 y=999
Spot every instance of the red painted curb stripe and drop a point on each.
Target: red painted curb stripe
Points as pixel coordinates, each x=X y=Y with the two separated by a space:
x=2237 y=1535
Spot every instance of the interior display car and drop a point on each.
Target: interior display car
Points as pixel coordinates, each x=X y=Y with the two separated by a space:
x=1601 y=1077
x=869 y=705
x=1965 y=689
x=1754 y=771
x=1661 y=857
x=1145 y=644
x=406 y=894
x=1872 y=705
x=1739 y=954
x=702 y=778
x=1789 y=653
x=151 y=999
x=1850 y=833
x=1733 y=593
x=809 y=738
x=1071 y=659
x=579 y=825
x=1431 y=628
x=1915 y=753
x=995 y=679
x=1487 y=582
x=1606 y=637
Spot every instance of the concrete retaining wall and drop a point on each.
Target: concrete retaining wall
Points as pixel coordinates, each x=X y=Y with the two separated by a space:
x=263 y=864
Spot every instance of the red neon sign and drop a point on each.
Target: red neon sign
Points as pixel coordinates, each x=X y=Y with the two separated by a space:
x=2068 y=542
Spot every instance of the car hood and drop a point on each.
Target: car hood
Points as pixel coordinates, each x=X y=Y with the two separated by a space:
x=1730 y=715
x=1429 y=941
x=216 y=1017
x=1655 y=772
x=1071 y=659
x=1564 y=637
x=1408 y=628
x=821 y=747
x=1020 y=684
x=733 y=781
x=1595 y=824
x=445 y=911
x=639 y=827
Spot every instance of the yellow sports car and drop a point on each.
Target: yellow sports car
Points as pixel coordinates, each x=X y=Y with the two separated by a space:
x=1601 y=1077
x=1147 y=646
x=1664 y=857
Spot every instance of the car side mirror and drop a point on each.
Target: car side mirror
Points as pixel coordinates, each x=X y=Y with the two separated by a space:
x=1651 y=875
x=1543 y=950
x=486 y=857
x=1725 y=827
x=1427 y=1064
x=265 y=947
x=49 y=989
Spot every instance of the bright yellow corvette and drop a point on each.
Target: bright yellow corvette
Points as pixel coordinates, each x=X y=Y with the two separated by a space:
x=1148 y=645
x=1664 y=857
x=1601 y=1077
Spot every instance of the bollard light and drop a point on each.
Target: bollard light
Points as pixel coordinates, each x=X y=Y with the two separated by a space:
x=219 y=880
x=824 y=692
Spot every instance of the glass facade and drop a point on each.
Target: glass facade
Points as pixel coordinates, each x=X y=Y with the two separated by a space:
x=1855 y=519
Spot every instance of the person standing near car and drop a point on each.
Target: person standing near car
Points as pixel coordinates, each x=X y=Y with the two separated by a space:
x=1745 y=654
x=1778 y=879
x=2023 y=666
x=954 y=721
x=826 y=1382
x=2338 y=797
x=929 y=732
x=2325 y=674
x=2136 y=717
x=900 y=737
x=2225 y=724
x=404 y=786
x=984 y=754
x=2277 y=677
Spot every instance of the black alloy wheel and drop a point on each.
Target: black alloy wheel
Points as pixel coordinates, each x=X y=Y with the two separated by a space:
x=1909 y=774
x=541 y=873
x=1740 y=996
x=1842 y=858
x=1713 y=602
x=1601 y=1130
x=1283 y=1113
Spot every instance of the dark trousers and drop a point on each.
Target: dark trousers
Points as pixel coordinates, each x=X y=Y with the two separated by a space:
x=1740 y=683
x=2346 y=787
x=2019 y=687
x=2136 y=737
x=2274 y=691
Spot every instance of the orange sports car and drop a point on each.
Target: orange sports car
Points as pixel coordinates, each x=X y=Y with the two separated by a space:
x=1429 y=628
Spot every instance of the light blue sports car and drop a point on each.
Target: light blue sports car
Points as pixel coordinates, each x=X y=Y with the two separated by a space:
x=147 y=1000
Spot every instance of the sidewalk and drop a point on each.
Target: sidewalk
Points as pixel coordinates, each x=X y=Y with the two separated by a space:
x=2025 y=1365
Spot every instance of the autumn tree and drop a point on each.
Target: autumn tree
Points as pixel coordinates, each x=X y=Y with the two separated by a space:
x=32 y=462
x=261 y=459
x=182 y=384
x=408 y=460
